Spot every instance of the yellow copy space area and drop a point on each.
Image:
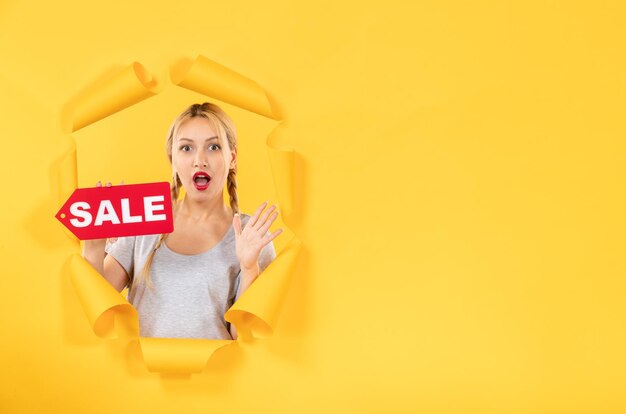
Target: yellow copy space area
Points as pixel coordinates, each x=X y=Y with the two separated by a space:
x=458 y=187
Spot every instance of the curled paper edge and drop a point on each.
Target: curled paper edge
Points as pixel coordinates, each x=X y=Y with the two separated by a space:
x=101 y=302
x=109 y=314
x=211 y=79
x=125 y=88
x=179 y=355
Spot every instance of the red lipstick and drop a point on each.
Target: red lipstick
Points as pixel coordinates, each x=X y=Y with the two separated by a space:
x=201 y=180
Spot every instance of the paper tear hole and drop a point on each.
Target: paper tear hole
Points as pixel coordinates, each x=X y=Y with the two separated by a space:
x=62 y=215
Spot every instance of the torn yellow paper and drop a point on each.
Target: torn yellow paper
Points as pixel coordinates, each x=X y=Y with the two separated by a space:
x=67 y=176
x=178 y=356
x=214 y=80
x=101 y=302
x=282 y=166
x=257 y=311
x=127 y=87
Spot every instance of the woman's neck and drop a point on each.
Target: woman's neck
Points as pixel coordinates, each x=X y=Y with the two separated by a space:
x=210 y=210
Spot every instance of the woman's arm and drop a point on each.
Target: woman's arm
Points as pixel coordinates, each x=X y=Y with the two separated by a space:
x=250 y=241
x=107 y=266
x=93 y=252
x=247 y=277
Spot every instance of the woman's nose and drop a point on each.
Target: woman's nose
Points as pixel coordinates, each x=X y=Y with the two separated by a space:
x=200 y=161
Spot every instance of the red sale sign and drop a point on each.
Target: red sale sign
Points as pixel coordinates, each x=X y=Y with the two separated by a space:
x=118 y=211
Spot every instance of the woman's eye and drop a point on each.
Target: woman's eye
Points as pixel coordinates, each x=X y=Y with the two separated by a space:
x=185 y=148
x=214 y=147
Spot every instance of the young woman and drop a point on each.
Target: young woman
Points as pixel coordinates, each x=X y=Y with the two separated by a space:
x=183 y=283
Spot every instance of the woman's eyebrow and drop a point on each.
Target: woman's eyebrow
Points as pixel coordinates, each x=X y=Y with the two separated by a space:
x=191 y=140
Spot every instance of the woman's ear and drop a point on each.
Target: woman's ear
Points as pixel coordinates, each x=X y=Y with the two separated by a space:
x=233 y=161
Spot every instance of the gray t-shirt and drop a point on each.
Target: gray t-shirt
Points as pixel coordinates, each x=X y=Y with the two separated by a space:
x=190 y=293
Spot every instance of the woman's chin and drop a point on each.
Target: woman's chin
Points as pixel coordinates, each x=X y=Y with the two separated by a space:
x=199 y=195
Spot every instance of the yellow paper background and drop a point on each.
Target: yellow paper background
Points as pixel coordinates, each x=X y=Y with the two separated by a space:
x=459 y=171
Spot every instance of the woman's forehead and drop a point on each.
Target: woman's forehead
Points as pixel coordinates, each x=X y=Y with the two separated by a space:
x=197 y=128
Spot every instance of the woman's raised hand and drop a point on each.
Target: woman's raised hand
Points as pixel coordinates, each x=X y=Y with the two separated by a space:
x=253 y=238
x=94 y=250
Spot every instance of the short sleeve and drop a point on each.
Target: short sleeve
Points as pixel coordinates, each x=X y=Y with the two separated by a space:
x=122 y=251
x=267 y=256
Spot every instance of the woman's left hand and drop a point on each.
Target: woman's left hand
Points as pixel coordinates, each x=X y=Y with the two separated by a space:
x=252 y=239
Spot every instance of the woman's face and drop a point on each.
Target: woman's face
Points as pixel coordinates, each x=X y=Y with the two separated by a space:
x=200 y=159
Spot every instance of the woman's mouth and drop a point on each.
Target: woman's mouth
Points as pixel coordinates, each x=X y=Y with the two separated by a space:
x=201 y=180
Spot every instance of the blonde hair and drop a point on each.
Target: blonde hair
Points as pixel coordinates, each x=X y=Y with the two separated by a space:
x=226 y=133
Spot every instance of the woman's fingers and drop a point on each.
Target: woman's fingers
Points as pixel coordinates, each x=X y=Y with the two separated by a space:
x=263 y=229
x=263 y=218
x=261 y=221
x=108 y=184
x=256 y=215
x=271 y=237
